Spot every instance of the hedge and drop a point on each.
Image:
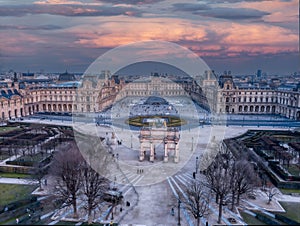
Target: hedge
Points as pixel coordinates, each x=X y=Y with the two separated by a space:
x=266 y=219
x=286 y=220
x=17 y=204
x=9 y=169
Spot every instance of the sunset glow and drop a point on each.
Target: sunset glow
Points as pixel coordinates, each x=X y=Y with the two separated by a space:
x=77 y=32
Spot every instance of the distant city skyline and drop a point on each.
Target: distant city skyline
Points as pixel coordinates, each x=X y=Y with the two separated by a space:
x=237 y=35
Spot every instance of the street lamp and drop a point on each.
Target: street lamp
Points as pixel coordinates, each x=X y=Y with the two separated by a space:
x=192 y=143
x=197 y=164
x=179 y=202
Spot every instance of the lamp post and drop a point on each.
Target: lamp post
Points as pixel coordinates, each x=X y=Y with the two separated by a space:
x=117 y=157
x=131 y=140
x=197 y=164
x=192 y=143
x=179 y=202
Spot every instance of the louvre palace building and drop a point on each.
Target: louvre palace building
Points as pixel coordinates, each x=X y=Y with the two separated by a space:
x=95 y=93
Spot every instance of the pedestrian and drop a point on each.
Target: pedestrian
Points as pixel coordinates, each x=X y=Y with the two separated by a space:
x=172 y=211
x=45 y=182
x=17 y=220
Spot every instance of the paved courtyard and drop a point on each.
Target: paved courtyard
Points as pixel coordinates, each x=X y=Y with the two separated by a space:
x=152 y=187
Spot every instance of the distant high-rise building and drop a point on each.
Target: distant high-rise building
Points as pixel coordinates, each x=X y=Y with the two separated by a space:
x=259 y=73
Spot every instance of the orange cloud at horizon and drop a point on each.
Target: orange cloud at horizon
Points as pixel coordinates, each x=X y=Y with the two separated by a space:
x=116 y=33
x=215 y=38
x=232 y=36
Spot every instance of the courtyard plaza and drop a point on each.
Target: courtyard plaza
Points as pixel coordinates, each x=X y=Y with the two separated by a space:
x=150 y=209
x=152 y=187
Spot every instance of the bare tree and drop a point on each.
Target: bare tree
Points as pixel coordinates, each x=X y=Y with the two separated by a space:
x=94 y=187
x=197 y=200
x=67 y=167
x=242 y=180
x=271 y=192
x=38 y=172
x=218 y=178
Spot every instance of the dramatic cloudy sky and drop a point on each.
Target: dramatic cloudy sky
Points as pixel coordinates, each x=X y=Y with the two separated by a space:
x=237 y=35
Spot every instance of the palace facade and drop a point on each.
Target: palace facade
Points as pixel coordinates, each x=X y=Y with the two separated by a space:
x=97 y=93
x=235 y=100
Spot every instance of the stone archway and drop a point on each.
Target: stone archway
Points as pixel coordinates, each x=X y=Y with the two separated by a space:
x=149 y=137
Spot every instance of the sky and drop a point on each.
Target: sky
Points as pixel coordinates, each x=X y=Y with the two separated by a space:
x=237 y=35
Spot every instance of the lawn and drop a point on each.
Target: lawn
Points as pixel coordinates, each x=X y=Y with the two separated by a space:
x=289 y=191
x=292 y=210
x=13 y=192
x=7 y=129
x=294 y=170
x=250 y=220
x=4 y=156
x=34 y=158
x=15 y=175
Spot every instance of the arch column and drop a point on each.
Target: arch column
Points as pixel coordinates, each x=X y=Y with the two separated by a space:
x=142 y=152
x=166 y=157
x=151 y=152
x=176 y=157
